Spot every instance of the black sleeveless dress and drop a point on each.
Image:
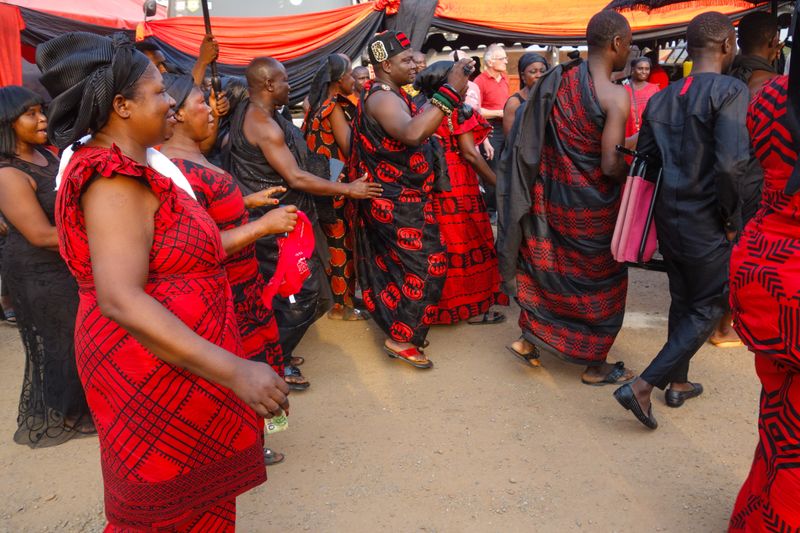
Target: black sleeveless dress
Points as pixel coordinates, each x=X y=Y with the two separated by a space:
x=52 y=406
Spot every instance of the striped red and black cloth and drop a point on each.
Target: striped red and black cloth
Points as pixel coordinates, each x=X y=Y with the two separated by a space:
x=175 y=449
x=570 y=288
x=222 y=199
x=765 y=285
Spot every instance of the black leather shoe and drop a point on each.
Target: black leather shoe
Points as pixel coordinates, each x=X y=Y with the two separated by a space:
x=676 y=398
x=627 y=399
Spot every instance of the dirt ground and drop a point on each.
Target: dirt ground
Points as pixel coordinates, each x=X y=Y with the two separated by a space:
x=480 y=443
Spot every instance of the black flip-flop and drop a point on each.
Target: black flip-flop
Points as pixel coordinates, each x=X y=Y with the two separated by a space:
x=627 y=399
x=400 y=355
x=489 y=317
x=271 y=457
x=293 y=371
x=612 y=378
x=531 y=358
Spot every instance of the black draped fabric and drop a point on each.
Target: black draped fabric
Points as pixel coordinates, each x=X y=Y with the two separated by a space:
x=253 y=173
x=402 y=261
x=570 y=289
x=52 y=406
x=519 y=163
x=300 y=69
x=414 y=19
x=41 y=27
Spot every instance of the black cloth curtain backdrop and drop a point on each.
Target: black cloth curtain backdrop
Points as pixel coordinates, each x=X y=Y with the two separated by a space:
x=41 y=27
x=414 y=19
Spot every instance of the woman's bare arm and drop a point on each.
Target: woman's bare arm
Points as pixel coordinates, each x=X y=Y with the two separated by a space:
x=119 y=225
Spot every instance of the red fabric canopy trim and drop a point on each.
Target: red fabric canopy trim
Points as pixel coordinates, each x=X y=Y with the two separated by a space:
x=11 y=24
x=122 y=14
x=242 y=39
x=568 y=18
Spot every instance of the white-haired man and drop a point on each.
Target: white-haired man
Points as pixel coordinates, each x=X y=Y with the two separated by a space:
x=493 y=84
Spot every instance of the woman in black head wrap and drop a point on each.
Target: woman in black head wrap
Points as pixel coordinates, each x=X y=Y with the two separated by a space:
x=157 y=344
x=531 y=67
x=52 y=406
x=327 y=130
x=472 y=285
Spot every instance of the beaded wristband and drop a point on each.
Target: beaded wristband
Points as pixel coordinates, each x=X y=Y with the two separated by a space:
x=443 y=100
x=441 y=106
x=451 y=93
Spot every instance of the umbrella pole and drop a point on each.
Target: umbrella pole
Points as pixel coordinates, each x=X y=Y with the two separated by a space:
x=774 y=7
x=216 y=83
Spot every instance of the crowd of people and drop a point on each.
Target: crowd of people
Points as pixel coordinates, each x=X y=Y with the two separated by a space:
x=169 y=244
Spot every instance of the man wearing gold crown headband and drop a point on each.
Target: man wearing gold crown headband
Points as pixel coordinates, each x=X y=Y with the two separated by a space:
x=401 y=259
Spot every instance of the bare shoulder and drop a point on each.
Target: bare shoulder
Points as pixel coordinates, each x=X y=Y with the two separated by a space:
x=384 y=103
x=10 y=176
x=612 y=97
x=259 y=128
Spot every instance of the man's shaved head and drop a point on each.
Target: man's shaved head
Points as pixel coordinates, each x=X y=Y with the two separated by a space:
x=708 y=30
x=262 y=69
x=604 y=27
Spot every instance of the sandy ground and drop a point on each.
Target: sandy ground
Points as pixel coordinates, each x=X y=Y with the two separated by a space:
x=480 y=443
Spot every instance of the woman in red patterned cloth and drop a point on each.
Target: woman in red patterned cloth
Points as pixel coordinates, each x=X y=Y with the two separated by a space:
x=472 y=285
x=640 y=90
x=327 y=128
x=176 y=404
x=764 y=285
x=219 y=195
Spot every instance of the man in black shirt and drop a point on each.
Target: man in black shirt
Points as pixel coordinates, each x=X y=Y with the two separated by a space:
x=267 y=150
x=695 y=129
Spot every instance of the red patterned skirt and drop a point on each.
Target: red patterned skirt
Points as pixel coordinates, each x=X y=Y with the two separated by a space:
x=770 y=497
x=473 y=279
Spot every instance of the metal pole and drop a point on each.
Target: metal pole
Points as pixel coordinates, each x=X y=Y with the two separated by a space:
x=216 y=83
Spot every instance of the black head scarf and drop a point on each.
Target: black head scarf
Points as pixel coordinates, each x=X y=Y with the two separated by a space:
x=331 y=70
x=434 y=76
x=83 y=72
x=527 y=59
x=179 y=87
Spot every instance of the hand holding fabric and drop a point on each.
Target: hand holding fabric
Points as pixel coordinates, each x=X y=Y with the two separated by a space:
x=458 y=76
x=279 y=220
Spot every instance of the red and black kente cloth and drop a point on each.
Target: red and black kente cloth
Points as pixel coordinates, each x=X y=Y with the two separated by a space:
x=570 y=288
x=473 y=279
x=221 y=198
x=339 y=232
x=765 y=300
x=175 y=448
x=402 y=261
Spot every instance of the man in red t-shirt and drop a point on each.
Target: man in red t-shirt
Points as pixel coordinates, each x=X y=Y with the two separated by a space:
x=493 y=84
